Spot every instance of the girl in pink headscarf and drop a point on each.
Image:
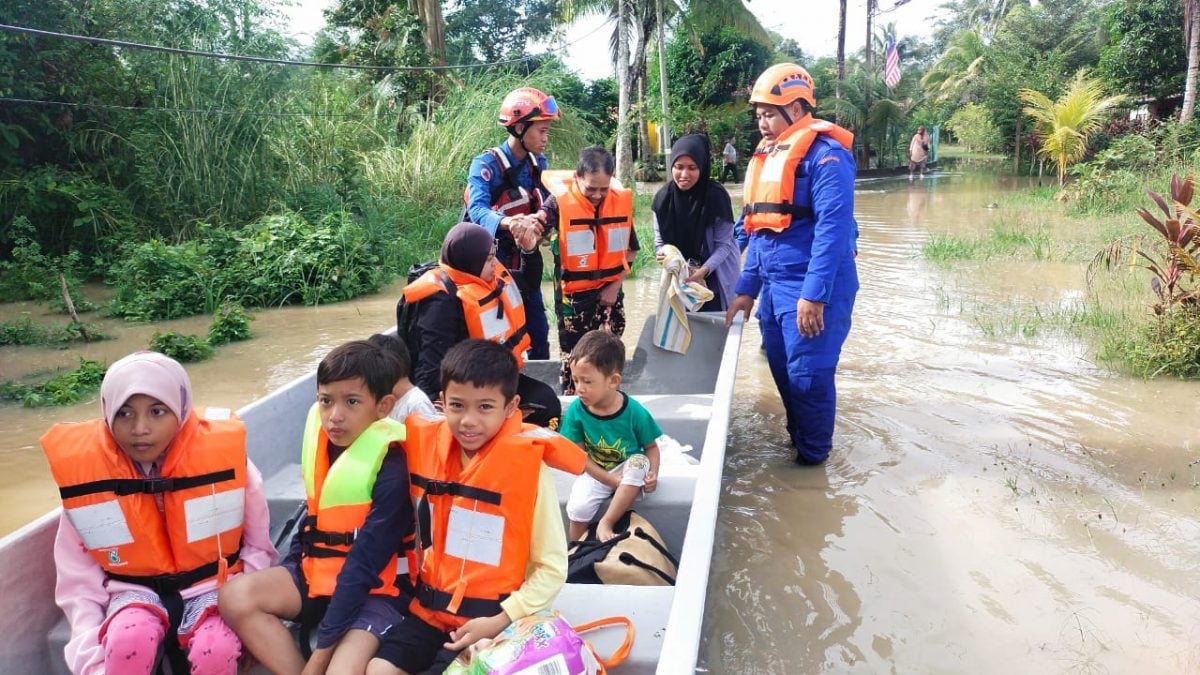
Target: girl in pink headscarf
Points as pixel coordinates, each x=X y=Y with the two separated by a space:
x=160 y=507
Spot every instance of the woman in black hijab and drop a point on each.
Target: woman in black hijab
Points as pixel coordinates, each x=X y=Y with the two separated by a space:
x=440 y=322
x=695 y=215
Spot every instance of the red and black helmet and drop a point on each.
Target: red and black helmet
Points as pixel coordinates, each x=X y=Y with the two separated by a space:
x=527 y=105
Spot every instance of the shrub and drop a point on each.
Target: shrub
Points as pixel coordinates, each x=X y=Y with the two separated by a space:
x=230 y=323
x=182 y=348
x=30 y=274
x=24 y=332
x=973 y=127
x=156 y=280
x=62 y=389
x=70 y=211
x=1169 y=345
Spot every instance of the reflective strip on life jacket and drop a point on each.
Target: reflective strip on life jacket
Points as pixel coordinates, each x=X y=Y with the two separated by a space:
x=593 y=241
x=771 y=175
x=115 y=509
x=480 y=515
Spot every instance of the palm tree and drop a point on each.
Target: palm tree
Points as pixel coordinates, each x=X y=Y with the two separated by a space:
x=958 y=71
x=1066 y=125
x=1191 y=36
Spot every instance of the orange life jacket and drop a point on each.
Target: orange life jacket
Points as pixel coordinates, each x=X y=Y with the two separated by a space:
x=492 y=311
x=339 y=498
x=480 y=515
x=592 y=241
x=197 y=534
x=771 y=175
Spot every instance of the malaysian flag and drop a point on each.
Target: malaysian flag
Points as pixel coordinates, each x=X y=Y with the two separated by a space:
x=891 y=67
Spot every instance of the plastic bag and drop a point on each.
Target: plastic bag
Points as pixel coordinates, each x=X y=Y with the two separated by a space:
x=541 y=644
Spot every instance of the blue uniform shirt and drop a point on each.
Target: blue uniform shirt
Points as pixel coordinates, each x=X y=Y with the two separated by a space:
x=485 y=178
x=814 y=251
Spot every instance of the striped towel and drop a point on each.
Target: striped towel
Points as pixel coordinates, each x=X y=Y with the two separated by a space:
x=675 y=299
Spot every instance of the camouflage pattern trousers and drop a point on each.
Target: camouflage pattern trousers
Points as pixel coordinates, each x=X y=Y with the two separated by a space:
x=577 y=314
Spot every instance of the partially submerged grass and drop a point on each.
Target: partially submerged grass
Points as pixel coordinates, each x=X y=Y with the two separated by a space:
x=999 y=242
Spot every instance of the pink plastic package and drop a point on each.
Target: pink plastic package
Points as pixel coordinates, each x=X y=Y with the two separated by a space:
x=539 y=644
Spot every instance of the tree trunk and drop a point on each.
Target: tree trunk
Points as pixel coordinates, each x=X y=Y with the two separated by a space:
x=639 y=81
x=624 y=156
x=644 y=153
x=664 y=141
x=430 y=14
x=1191 y=31
x=66 y=296
x=867 y=81
x=841 y=56
x=1017 y=148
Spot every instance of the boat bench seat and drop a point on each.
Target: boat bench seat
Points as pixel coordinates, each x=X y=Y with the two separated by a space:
x=647 y=606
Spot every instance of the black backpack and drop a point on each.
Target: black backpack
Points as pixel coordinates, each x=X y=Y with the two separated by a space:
x=635 y=557
x=406 y=314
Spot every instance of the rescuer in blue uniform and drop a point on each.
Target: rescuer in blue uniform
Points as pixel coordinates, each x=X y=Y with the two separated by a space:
x=799 y=217
x=505 y=194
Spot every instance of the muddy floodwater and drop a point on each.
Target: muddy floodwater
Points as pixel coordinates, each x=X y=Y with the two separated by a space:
x=992 y=505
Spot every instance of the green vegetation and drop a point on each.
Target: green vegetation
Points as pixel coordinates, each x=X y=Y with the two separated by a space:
x=182 y=348
x=230 y=323
x=24 y=332
x=999 y=242
x=1066 y=124
x=62 y=389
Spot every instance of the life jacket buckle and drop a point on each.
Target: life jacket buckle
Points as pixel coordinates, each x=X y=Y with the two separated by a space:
x=150 y=486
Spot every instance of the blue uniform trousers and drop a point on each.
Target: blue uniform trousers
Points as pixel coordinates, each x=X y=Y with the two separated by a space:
x=805 y=383
x=536 y=323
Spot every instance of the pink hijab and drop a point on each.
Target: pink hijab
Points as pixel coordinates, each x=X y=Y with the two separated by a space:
x=148 y=373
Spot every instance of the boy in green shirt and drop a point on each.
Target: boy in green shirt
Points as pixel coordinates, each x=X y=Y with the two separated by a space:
x=618 y=434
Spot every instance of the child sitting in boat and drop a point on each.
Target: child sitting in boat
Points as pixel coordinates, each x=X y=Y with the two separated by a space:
x=492 y=548
x=342 y=573
x=618 y=434
x=409 y=397
x=160 y=507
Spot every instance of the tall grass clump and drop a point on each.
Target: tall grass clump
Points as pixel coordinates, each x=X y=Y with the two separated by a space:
x=429 y=165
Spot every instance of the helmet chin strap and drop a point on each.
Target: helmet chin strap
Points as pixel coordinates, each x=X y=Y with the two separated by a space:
x=783 y=113
x=521 y=136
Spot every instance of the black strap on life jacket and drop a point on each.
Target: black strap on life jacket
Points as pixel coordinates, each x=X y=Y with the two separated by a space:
x=173 y=583
x=131 y=486
x=168 y=587
x=441 y=487
x=796 y=211
x=437 y=600
x=592 y=275
x=314 y=541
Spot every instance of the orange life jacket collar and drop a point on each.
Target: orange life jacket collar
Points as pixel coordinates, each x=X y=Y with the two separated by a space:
x=771 y=174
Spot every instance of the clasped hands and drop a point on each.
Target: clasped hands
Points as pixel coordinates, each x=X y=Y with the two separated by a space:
x=527 y=229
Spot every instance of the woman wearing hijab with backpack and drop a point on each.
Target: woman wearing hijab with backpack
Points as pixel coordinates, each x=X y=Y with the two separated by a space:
x=693 y=213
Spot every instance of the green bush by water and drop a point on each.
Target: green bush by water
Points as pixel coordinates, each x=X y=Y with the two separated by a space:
x=230 y=323
x=181 y=347
x=24 y=332
x=62 y=389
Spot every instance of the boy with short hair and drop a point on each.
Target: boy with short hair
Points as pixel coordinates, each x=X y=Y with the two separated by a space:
x=409 y=397
x=618 y=433
x=491 y=545
x=343 y=568
x=592 y=224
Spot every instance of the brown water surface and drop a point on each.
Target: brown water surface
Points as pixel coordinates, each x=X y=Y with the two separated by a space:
x=992 y=504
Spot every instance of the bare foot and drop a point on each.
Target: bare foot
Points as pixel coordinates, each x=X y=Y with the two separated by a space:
x=604 y=531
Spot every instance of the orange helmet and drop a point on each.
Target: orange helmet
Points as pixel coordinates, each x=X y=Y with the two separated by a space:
x=527 y=105
x=782 y=84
